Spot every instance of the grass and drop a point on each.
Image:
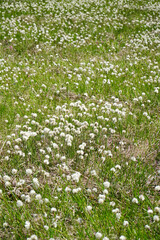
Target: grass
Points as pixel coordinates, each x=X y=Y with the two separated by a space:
x=79 y=106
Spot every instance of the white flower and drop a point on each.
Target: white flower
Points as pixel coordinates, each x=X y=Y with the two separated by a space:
x=157 y=188
x=118 y=215
x=116 y=210
x=122 y=237
x=150 y=211
x=89 y=190
x=112 y=204
x=76 y=190
x=35 y=182
x=38 y=197
x=156 y=218
x=19 y=203
x=67 y=189
x=5 y=224
x=105 y=238
x=125 y=223
x=46 y=162
x=7 y=184
x=14 y=171
x=94 y=189
x=28 y=171
x=79 y=220
x=133 y=159
x=147 y=226
x=89 y=208
x=100 y=200
x=141 y=197
x=34 y=237
x=106 y=184
x=27 y=224
x=98 y=235
x=53 y=209
x=6 y=178
x=46 y=227
x=75 y=176
x=135 y=200
x=105 y=191
x=157 y=209
x=32 y=192
x=93 y=173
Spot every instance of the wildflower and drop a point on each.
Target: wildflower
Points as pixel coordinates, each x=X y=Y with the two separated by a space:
x=28 y=171
x=7 y=184
x=100 y=200
x=115 y=210
x=38 y=197
x=5 y=224
x=32 y=192
x=141 y=197
x=105 y=191
x=75 y=176
x=19 y=203
x=35 y=182
x=112 y=204
x=135 y=200
x=27 y=225
x=125 y=223
x=133 y=159
x=118 y=215
x=6 y=178
x=46 y=227
x=89 y=208
x=157 y=188
x=34 y=237
x=93 y=173
x=157 y=209
x=147 y=226
x=98 y=235
x=156 y=218
x=79 y=220
x=150 y=211
x=14 y=171
x=106 y=184
x=122 y=237
x=67 y=189
x=53 y=209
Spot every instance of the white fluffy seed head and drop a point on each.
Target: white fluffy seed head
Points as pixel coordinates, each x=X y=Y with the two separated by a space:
x=156 y=218
x=35 y=182
x=27 y=225
x=122 y=237
x=28 y=171
x=141 y=197
x=19 y=203
x=125 y=223
x=157 y=209
x=98 y=235
x=89 y=208
x=157 y=188
x=53 y=209
x=135 y=200
x=106 y=184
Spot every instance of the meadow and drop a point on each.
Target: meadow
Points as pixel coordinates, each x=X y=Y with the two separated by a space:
x=80 y=119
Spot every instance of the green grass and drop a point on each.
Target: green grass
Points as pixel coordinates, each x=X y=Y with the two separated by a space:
x=79 y=92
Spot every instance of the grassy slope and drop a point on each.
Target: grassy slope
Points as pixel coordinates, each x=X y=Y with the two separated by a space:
x=65 y=45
